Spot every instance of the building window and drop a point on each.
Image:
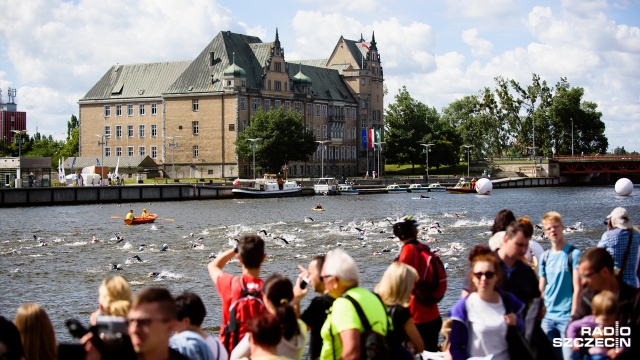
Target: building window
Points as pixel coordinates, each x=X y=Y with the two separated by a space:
x=107 y=152
x=195 y=126
x=129 y=150
x=130 y=131
x=244 y=124
x=348 y=153
x=324 y=131
x=364 y=81
x=210 y=172
x=348 y=113
x=364 y=124
x=119 y=110
x=363 y=104
x=277 y=105
x=232 y=127
x=309 y=109
x=324 y=111
x=353 y=133
x=130 y=110
x=195 y=151
x=154 y=109
x=255 y=104
x=107 y=131
x=269 y=83
x=141 y=131
x=154 y=152
x=267 y=104
x=194 y=105
x=298 y=106
x=287 y=105
x=277 y=85
x=140 y=109
x=353 y=152
x=118 y=151
x=107 y=110
x=118 y=131
x=318 y=108
x=278 y=66
x=243 y=103
x=141 y=151
x=154 y=130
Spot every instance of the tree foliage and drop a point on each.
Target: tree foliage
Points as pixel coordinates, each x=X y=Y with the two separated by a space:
x=284 y=139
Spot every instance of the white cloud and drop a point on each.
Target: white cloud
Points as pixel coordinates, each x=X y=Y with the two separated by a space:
x=481 y=9
x=361 y=6
x=479 y=47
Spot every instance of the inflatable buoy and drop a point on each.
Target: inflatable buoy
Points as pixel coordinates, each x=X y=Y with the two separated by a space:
x=624 y=187
x=484 y=186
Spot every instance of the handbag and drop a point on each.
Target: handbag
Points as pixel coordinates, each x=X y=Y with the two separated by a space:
x=518 y=345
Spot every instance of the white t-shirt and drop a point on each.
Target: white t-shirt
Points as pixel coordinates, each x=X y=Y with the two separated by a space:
x=488 y=328
x=537 y=250
x=219 y=352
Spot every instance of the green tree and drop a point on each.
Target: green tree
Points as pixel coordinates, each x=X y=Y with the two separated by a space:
x=284 y=139
x=43 y=146
x=620 y=151
x=407 y=124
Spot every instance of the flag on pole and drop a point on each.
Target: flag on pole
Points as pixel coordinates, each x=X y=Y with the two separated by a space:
x=61 y=177
x=378 y=138
x=371 y=138
x=73 y=163
x=364 y=139
x=115 y=172
x=364 y=45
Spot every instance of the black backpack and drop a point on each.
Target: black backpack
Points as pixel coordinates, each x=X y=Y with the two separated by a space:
x=373 y=345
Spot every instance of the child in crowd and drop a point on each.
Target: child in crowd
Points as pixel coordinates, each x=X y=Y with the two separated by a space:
x=605 y=313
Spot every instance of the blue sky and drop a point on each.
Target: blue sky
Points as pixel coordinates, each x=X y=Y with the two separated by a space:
x=53 y=51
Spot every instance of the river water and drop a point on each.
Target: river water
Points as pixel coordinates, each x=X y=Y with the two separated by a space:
x=64 y=276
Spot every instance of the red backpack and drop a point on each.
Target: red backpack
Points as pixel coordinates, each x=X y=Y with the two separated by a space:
x=432 y=277
x=245 y=305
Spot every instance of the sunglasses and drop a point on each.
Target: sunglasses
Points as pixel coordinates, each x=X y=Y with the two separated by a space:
x=488 y=275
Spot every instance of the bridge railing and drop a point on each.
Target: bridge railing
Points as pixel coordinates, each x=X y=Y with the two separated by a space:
x=597 y=157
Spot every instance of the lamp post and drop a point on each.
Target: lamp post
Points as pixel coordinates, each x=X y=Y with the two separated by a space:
x=468 y=150
x=426 y=151
x=253 y=147
x=102 y=143
x=322 y=145
x=20 y=141
x=571 y=136
x=173 y=146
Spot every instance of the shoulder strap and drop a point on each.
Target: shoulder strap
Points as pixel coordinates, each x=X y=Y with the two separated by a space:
x=571 y=249
x=626 y=252
x=361 y=315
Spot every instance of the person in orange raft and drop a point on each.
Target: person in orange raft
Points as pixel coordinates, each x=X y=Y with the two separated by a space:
x=144 y=213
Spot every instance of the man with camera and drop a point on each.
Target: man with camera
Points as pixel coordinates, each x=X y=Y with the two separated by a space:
x=151 y=323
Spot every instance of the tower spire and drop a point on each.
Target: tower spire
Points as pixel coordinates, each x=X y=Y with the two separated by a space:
x=373 y=41
x=277 y=39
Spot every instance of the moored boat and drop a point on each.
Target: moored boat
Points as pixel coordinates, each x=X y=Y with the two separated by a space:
x=395 y=189
x=268 y=187
x=347 y=190
x=141 y=220
x=436 y=187
x=417 y=188
x=326 y=186
x=463 y=187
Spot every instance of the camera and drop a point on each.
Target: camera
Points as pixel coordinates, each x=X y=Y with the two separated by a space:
x=303 y=283
x=110 y=338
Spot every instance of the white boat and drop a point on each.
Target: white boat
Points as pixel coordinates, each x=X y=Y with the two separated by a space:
x=326 y=186
x=347 y=190
x=417 y=188
x=436 y=187
x=268 y=187
x=393 y=189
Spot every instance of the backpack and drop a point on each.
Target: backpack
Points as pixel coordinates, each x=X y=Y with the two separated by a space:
x=245 y=304
x=545 y=257
x=373 y=345
x=432 y=281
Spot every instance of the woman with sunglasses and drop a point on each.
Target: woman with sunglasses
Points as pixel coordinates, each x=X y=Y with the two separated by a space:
x=481 y=319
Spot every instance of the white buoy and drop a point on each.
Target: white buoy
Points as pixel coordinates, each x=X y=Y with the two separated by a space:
x=484 y=186
x=624 y=187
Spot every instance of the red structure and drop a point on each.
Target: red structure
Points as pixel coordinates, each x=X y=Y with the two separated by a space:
x=10 y=117
x=605 y=164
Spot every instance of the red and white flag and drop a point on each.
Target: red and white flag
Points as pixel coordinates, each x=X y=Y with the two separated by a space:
x=364 y=45
x=370 y=138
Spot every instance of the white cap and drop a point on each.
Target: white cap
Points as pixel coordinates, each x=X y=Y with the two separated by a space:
x=620 y=218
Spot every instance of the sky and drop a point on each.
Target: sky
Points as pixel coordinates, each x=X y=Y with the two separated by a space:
x=54 y=51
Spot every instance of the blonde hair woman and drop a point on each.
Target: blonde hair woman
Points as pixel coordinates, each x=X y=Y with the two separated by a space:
x=395 y=291
x=114 y=298
x=36 y=332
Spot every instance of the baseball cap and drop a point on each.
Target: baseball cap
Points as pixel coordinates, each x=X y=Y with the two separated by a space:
x=619 y=218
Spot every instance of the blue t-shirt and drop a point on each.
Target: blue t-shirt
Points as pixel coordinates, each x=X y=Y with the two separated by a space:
x=191 y=344
x=558 y=291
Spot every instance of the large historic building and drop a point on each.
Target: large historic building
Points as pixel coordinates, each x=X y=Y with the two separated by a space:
x=187 y=115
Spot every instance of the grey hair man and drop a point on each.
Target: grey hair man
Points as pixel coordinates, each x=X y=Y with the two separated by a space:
x=621 y=240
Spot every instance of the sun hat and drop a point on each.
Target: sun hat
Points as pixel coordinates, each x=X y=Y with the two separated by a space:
x=619 y=218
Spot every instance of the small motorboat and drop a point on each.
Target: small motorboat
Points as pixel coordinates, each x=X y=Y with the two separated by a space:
x=269 y=187
x=141 y=220
x=326 y=186
x=417 y=188
x=395 y=189
x=463 y=187
x=436 y=187
x=347 y=190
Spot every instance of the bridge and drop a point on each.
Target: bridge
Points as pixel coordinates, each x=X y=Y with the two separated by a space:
x=604 y=164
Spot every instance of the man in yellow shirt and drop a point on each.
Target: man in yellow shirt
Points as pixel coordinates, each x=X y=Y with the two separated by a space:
x=144 y=213
x=130 y=215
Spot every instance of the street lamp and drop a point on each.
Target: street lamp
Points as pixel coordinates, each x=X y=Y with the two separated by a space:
x=468 y=150
x=20 y=141
x=571 y=136
x=173 y=146
x=102 y=143
x=253 y=147
x=322 y=142
x=426 y=151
